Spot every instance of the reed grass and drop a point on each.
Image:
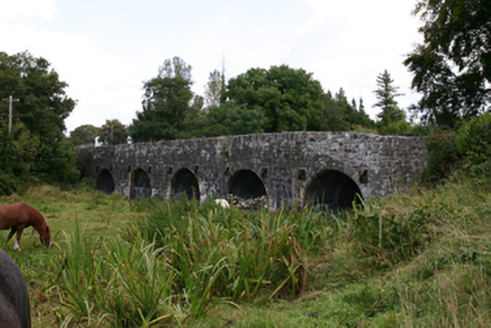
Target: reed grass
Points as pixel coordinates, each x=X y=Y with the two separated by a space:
x=228 y=253
x=419 y=259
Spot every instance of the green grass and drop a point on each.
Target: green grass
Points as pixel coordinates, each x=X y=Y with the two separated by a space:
x=420 y=259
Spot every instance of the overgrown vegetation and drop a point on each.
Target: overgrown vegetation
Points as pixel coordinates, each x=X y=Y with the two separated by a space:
x=421 y=259
x=33 y=148
x=468 y=147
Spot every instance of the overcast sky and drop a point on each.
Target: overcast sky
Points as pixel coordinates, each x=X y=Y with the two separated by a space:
x=106 y=49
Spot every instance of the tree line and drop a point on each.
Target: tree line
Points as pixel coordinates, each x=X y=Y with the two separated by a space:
x=451 y=70
x=278 y=99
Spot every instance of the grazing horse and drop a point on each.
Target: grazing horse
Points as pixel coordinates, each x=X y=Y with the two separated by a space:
x=19 y=216
x=14 y=299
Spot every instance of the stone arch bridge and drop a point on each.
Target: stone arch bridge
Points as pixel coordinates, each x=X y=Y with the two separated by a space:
x=329 y=168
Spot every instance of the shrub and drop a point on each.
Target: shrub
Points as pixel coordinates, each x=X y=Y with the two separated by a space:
x=474 y=140
x=443 y=156
x=390 y=236
x=401 y=127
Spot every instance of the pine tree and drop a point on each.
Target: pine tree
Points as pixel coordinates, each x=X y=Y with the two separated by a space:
x=386 y=94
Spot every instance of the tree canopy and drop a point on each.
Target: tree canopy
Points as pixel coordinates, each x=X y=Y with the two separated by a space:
x=275 y=100
x=215 y=88
x=452 y=68
x=36 y=144
x=84 y=134
x=166 y=104
x=340 y=115
x=229 y=119
x=290 y=99
x=112 y=133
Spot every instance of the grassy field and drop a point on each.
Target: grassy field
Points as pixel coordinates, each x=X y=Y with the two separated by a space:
x=420 y=259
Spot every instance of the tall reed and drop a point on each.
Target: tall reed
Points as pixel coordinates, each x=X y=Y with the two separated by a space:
x=231 y=255
x=112 y=282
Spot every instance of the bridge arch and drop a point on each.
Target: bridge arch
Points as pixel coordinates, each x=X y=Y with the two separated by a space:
x=246 y=184
x=140 y=184
x=105 y=182
x=185 y=184
x=334 y=189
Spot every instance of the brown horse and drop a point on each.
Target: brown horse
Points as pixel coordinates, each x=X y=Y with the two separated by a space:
x=14 y=299
x=19 y=216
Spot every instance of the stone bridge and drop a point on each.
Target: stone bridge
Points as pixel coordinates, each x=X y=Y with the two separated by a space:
x=332 y=168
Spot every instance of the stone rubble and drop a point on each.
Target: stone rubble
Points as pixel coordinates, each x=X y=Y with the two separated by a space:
x=252 y=204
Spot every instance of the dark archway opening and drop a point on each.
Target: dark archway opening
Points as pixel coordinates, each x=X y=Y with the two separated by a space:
x=184 y=185
x=105 y=182
x=140 y=184
x=246 y=184
x=333 y=190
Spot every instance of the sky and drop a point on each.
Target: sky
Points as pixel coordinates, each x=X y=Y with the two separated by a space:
x=106 y=49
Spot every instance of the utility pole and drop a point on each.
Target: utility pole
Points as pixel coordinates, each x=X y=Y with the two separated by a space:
x=10 y=100
x=8 y=147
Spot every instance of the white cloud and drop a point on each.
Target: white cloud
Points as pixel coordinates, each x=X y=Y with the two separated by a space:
x=346 y=44
x=106 y=55
x=105 y=85
x=43 y=10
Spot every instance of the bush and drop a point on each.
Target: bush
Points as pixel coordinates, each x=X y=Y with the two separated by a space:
x=443 y=156
x=9 y=183
x=468 y=148
x=474 y=139
x=401 y=127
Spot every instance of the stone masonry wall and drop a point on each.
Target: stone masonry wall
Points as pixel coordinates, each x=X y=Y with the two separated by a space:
x=285 y=162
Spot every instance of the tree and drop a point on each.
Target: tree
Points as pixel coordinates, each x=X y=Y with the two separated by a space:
x=339 y=115
x=38 y=118
x=175 y=67
x=215 y=88
x=198 y=103
x=386 y=94
x=84 y=134
x=230 y=119
x=113 y=133
x=452 y=68
x=333 y=114
x=290 y=99
x=19 y=149
x=166 y=104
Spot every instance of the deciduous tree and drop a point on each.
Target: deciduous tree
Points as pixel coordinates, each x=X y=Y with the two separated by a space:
x=452 y=68
x=230 y=119
x=38 y=118
x=290 y=99
x=113 y=133
x=84 y=134
x=166 y=104
x=215 y=88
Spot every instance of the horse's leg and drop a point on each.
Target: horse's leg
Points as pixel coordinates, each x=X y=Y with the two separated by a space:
x=11 y=234
x=17 y=238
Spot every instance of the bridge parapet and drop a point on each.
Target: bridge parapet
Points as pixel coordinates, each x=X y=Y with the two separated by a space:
x=318 y=167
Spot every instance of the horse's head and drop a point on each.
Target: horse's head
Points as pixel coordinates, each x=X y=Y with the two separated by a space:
x=46 y=237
